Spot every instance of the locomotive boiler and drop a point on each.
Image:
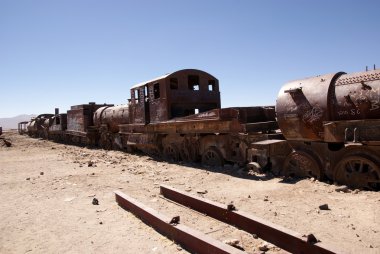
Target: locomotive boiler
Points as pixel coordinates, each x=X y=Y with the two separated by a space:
x=107 y=120
x=332 y=123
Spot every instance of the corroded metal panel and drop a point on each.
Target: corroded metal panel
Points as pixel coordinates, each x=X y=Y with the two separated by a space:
x=59 y=123
x=356 y=96
x=303 y=105
x=352 y=131
x=80 y=117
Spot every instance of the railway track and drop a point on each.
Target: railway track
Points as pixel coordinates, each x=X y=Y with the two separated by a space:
x=197 y=242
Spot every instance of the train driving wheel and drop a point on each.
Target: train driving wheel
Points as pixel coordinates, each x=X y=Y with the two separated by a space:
x=358 y=171
x=212 y=157
x=301 y=164
x=171 y=152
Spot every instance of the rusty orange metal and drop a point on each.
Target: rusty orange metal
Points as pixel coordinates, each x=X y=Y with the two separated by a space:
x=275 y=234
x=192 y=240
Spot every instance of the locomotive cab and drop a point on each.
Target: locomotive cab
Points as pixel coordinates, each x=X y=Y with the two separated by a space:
x=182 y=93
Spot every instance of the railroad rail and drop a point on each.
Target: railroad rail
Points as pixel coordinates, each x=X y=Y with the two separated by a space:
x=284 y=238
x=190 y=239
x=198 y=242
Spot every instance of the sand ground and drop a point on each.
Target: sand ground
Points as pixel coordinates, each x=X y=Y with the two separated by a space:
x=46 y=193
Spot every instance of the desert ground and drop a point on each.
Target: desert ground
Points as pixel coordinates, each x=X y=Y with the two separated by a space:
x=47 y=189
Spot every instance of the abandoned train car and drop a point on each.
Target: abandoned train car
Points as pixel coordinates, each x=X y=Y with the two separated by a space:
x=325 y=126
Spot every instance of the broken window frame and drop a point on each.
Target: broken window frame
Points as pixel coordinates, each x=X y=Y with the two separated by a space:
x=173 y=83
x=193 y=82
x=211 y=85
x=156 y=91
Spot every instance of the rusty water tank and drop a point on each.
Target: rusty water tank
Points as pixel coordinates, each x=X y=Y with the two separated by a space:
x=304 y=105
x=112 y=117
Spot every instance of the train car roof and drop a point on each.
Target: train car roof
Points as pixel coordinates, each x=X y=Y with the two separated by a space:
x=167 y=75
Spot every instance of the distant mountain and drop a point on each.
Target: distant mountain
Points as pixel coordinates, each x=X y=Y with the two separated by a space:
x=11 y=122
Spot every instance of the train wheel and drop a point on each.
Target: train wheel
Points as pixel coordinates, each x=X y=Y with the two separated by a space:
x=301 y=164
x=171 y=152
x=212 y=157
x=358 y=171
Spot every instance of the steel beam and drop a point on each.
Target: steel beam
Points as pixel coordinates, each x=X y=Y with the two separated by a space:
x=275 y=234
x=190 y=239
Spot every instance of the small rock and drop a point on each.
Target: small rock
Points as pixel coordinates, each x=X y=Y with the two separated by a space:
x=69 y=199
x=101 y=222
x=324 y=207
x=342 y=188
x=263 y=247
x=90 y=164
x=202 y=191
x=356 y=191
x=249 y=196
x=231 y=207
x=371 y=246
x=255 y=236
x=28 y=178
x=266 y=198
x=95 y=201
x=179 y=248
x=310 y=238
x=275 y=213
x=41 y=173
x=232 y=242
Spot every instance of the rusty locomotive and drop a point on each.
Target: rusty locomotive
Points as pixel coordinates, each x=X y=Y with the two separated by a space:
x=323 y=127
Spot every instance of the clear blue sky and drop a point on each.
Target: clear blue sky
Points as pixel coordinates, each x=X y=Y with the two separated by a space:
x=63 y=53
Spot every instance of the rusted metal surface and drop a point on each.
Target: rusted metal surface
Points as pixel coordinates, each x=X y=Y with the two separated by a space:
x=59 y=123
x=303 y=105
x=356 y=131
x=190 y=239
x=269 y=154
x=112 y=117
x=107 y=121
x=226 y=120
x=356 y=96
x=281 y=237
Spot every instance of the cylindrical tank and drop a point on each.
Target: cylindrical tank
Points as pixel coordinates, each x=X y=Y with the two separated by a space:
x=112 y=117
x=303 y=105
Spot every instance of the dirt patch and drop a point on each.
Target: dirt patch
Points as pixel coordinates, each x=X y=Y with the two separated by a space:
x=47 y=192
